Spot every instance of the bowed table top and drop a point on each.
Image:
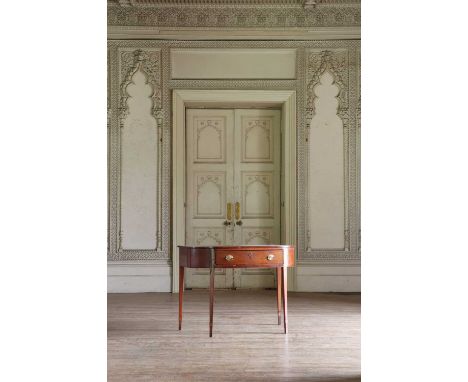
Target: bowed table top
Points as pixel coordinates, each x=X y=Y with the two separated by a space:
x=241 y=256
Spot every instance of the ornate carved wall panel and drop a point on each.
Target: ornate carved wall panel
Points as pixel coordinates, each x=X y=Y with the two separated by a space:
x=139 y=171
x=136 y=154
x=339 y=58
x=330 y=91
x=326 y=220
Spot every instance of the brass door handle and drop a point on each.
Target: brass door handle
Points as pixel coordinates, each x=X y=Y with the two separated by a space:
x=228 y=214
x=270 y=257
x=229 y=257
x=238 y=221
x=229 y=211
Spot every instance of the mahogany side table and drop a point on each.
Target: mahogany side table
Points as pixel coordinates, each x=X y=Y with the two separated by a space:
x=254 y=256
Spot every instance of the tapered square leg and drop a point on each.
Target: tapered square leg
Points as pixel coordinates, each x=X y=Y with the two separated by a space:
x=278 y=293
x=212 y=274
x=181 y=294
x=284 y=273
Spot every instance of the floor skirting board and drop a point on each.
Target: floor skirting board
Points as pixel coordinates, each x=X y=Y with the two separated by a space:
x=317 y=278
x=139 y=278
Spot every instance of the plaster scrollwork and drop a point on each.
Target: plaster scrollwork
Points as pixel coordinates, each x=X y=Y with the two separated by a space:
x=261 y=179
x=258 y=234
x=204 y=180
x=305 y=3
x=257 y=123
x=215 y=236
x=124 y=63
x=335 y=62
x=208 y=123
x=358 y=173
x=236 y=16
x=149 y=62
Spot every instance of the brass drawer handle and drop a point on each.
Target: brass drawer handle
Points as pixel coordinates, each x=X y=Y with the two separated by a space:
x=270 y=257
x=229 y=257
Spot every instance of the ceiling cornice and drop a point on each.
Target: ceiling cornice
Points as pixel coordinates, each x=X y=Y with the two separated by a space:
x=241 y=14
x=157 y=3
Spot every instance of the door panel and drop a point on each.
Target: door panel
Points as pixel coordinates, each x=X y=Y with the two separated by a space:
x=257 y=160
x=233 y=156
x=257 y=236
x=209 y=187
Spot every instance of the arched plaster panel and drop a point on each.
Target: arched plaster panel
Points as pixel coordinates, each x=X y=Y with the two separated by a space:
x=139 y=168
x=326 y=169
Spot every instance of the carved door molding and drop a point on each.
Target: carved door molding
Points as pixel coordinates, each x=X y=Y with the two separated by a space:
x=285 y=100
x=233 y=187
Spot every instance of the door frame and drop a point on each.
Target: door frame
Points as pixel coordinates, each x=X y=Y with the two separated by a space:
x=286 y=101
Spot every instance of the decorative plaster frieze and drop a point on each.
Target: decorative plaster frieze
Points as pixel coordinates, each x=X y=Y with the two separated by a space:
x=358 y=148
x=353 y=175
x=284 y=16
x=158 y=3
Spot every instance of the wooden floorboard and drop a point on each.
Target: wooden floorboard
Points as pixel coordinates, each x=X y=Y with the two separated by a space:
x=144 y=343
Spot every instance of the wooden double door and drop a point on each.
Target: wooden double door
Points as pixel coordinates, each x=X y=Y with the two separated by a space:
x=233 y=187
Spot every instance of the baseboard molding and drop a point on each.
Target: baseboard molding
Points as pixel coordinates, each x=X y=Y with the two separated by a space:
x=318 y=278
x=138 y=278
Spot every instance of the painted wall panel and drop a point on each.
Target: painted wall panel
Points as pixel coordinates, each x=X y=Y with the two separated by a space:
x=139 y=168
x=233 y=63
x=326 y=169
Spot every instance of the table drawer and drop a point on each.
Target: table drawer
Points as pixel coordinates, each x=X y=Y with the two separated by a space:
x=249 y=258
